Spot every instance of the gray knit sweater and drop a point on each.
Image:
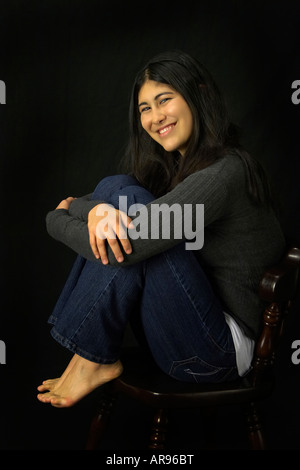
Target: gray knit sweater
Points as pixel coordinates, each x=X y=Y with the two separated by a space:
x=241 y=239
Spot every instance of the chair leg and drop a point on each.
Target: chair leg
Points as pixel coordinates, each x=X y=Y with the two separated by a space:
x=255 y=430
x=100 y=421
x=159 y=430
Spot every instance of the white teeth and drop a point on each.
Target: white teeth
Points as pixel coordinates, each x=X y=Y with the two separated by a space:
x=162 y=131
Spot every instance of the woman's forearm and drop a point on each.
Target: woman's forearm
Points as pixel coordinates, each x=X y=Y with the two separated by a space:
x=74 y=234
x=70 y=231
x=71 y=227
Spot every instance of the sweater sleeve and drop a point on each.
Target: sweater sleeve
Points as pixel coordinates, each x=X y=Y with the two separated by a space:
x=156 y=230
x=81 y=206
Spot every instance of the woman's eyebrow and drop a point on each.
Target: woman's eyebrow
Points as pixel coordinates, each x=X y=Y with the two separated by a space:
x=157 y=96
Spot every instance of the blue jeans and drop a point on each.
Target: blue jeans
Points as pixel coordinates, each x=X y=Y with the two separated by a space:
x=169 y=295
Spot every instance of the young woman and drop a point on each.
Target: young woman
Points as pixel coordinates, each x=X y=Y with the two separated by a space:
x=198 y=304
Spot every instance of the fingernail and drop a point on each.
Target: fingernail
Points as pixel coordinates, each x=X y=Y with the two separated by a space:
x=120 y=259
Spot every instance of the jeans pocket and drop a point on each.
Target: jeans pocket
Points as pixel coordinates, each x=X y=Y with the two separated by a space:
x=194 y=369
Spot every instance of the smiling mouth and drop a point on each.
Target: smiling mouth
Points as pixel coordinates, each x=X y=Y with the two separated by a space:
x=166 y=130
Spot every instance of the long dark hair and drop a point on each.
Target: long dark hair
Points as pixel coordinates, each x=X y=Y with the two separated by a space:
x=213 y=134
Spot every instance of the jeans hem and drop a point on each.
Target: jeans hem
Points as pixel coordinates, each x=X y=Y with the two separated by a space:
x=66 y=343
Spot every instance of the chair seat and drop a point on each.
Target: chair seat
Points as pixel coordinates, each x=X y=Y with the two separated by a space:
x=143 y=380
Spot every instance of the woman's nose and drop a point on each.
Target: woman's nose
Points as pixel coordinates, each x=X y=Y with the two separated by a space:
x=158 y=117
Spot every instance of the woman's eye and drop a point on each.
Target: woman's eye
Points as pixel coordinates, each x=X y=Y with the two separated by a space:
x=145 y=109
x=164 y=100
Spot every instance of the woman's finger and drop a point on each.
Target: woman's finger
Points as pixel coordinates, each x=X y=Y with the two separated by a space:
x=107 y=224
x=115 y=248
x=101 y=247
x=93 y=244
x=112 y=240
x=65 y=203
x=122 y=233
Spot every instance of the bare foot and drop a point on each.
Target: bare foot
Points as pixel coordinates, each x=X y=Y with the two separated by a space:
x=50 y=383
x=80 y=378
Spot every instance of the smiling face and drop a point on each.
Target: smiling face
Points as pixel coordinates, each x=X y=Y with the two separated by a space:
x=165 y=116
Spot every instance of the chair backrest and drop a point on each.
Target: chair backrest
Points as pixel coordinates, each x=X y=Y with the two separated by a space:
x=278 y=288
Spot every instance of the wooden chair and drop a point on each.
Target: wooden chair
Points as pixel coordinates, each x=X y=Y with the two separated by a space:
x=143 y=380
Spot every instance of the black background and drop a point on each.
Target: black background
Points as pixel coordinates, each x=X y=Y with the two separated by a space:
x=68 y=67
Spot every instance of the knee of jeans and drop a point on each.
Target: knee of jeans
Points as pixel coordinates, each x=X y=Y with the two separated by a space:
x=109 y=185
x=131 y=195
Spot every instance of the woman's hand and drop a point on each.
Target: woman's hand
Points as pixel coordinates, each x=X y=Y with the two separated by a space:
x=107 y=223
x=65 y=203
